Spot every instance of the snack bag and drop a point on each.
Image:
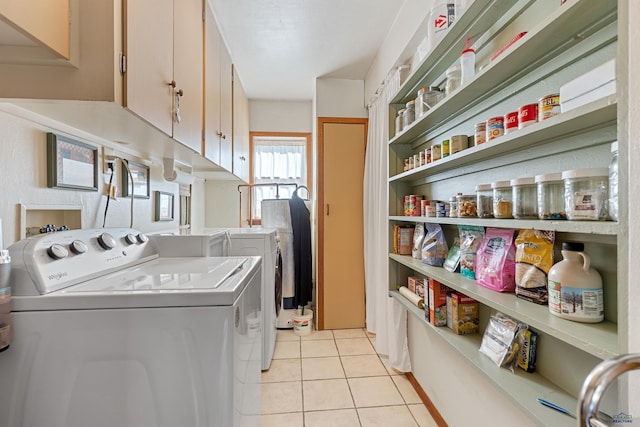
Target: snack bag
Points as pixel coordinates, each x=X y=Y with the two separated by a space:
x=434 y=247
x=496 y=260
x=470 y=238
x=418 y=237
x=501 y=340
x=534 y=258
x=452 y=261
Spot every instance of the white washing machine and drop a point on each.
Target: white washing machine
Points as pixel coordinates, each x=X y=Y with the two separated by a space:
x=107 y=333
x=253 y=241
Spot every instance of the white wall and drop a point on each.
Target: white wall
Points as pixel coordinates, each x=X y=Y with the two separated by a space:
x=280 y=116
x=23 y=174
x=340 y=98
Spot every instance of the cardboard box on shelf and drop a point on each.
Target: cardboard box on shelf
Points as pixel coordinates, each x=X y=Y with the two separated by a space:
x=403 y=240
x=464 y=314
x=413 y=282
x=437 y=303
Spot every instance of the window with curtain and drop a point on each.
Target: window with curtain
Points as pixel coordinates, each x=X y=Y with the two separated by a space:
x=277 y=159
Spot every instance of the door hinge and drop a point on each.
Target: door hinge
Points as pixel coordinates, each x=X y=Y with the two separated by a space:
x=123 y=63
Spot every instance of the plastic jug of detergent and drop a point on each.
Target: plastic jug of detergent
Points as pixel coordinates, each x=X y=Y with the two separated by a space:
x=575 y=288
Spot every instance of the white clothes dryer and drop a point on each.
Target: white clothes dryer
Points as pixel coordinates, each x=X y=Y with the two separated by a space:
x=254 y=241
x=107 y=333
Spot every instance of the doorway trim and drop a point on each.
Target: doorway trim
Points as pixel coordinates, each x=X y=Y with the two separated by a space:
x=321 y=207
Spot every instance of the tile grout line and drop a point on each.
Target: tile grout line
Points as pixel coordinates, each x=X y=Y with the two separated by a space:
x=346 y=378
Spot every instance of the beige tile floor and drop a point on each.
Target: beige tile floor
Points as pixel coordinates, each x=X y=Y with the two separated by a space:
x=336 y=379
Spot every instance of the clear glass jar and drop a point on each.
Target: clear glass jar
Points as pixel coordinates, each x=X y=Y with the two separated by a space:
x=419 y=104
x=585 y=193
x=484 y=200
x=502 y=199
x=409 y=115
x=453 y=206
x=613 y=182
x=399 y=121
x=431 y=97
x=550 y=195
x=524 y=198
x=467 y=205
x=454 y=77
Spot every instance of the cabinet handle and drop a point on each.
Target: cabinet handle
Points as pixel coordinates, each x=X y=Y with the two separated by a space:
x=224 y=136
x=172 y=83
x=243 y=158
x=327 y=209
x=219 y=134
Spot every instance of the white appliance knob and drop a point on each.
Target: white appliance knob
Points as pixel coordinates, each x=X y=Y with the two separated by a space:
x=106 y=241
x=130 y=239
x=57 y=251
x=142 y=238
x=78 y=247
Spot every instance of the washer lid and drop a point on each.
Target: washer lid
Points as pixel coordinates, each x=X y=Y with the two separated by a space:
x=163 y=282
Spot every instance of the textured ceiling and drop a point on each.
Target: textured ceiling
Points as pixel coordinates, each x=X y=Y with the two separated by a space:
x=281 y=46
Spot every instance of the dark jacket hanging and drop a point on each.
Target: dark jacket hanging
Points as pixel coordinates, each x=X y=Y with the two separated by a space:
x=301 y=225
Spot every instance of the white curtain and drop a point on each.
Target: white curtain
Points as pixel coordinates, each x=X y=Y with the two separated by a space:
x=281 y=160
x=384 y=316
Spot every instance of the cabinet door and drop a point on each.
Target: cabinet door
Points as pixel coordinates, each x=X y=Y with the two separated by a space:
x=226 y=109
x=212 y=40
x=50 y=26
x=240 y=130
x=187 y=73
x=149 y=51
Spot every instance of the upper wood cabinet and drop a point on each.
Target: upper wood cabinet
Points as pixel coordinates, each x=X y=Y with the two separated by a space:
x=28 y=25
x=164 y=66
x=241 y=150
x=218 y=96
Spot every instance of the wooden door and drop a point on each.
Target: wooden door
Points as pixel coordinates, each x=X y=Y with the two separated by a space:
x=187 y=72
x=149 y=52
x=341 y=291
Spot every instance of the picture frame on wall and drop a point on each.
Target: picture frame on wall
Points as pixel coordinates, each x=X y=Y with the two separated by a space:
x=163 y=206
x=138 y=184
x=71 y=164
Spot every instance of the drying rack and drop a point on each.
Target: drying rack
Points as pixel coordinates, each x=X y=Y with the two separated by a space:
x=269 y=184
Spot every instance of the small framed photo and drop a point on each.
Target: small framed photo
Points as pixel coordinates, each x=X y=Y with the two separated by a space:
x=139 y=187
x=164 y=206
x=71 y=164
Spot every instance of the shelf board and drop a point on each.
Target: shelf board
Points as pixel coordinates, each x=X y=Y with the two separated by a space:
x=594 y=115
x=477 y=19
x=550 y=38
x=530 y=386
x=607 y=228
x=597 y=339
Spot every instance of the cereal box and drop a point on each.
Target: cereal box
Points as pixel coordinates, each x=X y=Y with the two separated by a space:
x=437 y=303
x=464 y=314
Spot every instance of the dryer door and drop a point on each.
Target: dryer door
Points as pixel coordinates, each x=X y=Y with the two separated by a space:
x=278 y=281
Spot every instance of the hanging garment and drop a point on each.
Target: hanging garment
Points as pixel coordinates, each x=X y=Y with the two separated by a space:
x=301 y=224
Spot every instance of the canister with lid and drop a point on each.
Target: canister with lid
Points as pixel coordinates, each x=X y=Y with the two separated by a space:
x=480 y=133
x=524 y=198
x=585 y=193
x=399 y=121
x=575 y=288
x=502 y=199
x=419 y=104
x=409 y=115
x=453 y=78
x=550 y=195
x=453 y=207
x=432 y=96
x=495 y=127
x=484 y=200
x=467 y=205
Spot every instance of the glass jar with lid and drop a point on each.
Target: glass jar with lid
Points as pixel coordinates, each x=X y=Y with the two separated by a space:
x=419 y=104
x=550 y=195
x=502 y=199
x=399 y=121
x=430 y=98
x=524 y=198
x=467 y=205
x=484 y=200
x=409 y=115
x=585 y=193
x=453 y=206
x=454 y=77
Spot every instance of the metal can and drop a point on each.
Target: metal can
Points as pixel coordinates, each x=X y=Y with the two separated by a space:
x=445 y=148
x=416 y=161
x=436 y=152
x=423 y=160
x=427 y=155
x=548 y=106
x=480 y=133
x=423 y=207
x=495 y=127
x=527 y=115
x=441 y=209
x=459 y=143
x=510 y=122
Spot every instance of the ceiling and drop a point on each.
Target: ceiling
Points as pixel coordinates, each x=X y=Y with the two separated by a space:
x=281 y=46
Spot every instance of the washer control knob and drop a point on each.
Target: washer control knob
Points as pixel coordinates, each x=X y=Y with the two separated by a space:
x=131 y=239
x=106 y=241
x=142 y=238
x=57 y=251
x=78 y=247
